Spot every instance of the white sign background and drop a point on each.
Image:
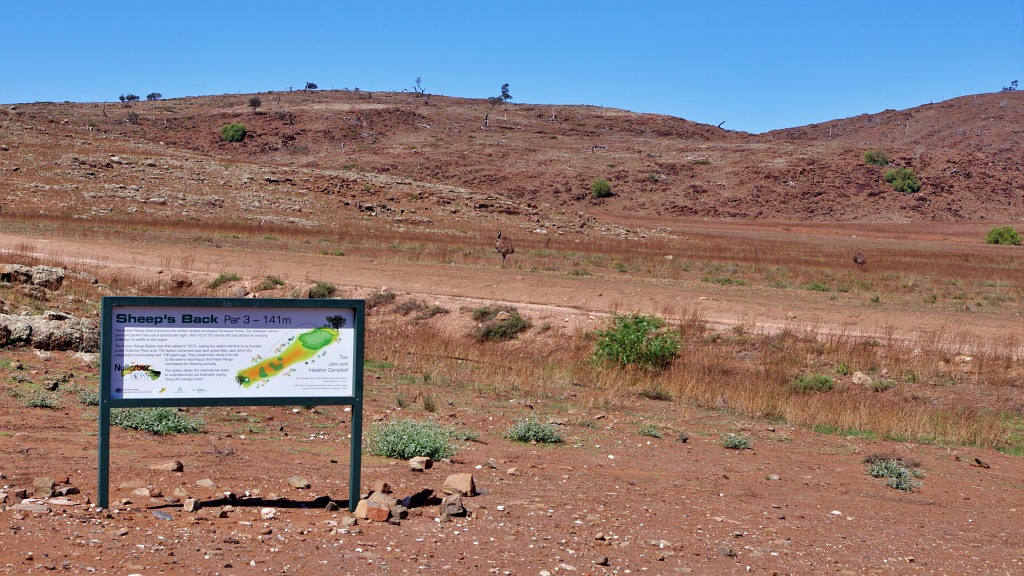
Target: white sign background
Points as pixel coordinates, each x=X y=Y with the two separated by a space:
x=208 y=352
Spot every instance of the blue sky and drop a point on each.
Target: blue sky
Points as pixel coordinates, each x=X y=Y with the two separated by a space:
x=757 y=65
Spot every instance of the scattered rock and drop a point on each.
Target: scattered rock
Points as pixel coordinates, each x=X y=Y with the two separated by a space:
x=452 y=506
x=42 y=487
x=601 y=561
x=861 y=379
x=29 y=506
x=298 y=482
x=206 y=483
x=382 y=487
x=980 y=463
x=461 y=484
x=169 y=466
x=682 y=438
x=332 y=506
x=160 y=515
x=420 y=463
x=726 y=551
x=268 y=513
x=191 y=505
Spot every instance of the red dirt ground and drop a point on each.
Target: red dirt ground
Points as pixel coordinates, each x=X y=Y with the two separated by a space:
x=78 y=180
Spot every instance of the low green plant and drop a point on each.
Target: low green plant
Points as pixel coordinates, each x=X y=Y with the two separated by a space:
x=816 y=287
x=269 y=283
x=498 y=323
x=899 y=473
x=876 y=158
x=322 y=290
x=843 y=369
x=223 y=278
x=379 y=299
x=601 y=188
x=159 y=421
x=637 y=340
x=809 y=383
x=579 y=272
x=233 y=132
x=1007 y=235
x=736 y=441
x=722 y=280
x=429 y=403
x=332 y=253
x=882 y=384
x=40 y=399
x=649 y=430
x=533 y=430
x=902 y=180
x=404 y=439
x=430 y=312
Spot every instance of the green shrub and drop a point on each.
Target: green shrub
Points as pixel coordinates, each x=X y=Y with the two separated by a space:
x=816 y=287
x=1003 y=235
x=532 y=430
x=160 y=421
x=380 y=298
x=876 y=158
x=498 y=323
x=40 y=399
x=649 y=430
x=843 y=369
x=322 y=290
x=899 y=473
x=808 y=383
x=601 y=188
x=722 y=280
x=902 y=180
x=233 y=132
x=736 y=441
x=882 y=385
x=404 y=439
x=223 y=278
x=637 y=340
x=269 y=283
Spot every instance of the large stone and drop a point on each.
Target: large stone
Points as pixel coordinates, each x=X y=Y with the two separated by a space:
x=461 y=484
x=420 y=463
x=861 y=379
x=191 y=505
x=206 y=483
x=48 y=277
x=377 y=511
x=298 y=482
x=169 y=466
x=38 y=332
x=42 y=487
x=452 y=506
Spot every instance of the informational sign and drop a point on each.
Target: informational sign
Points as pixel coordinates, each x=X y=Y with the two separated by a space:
x=199 y=352
x=230 y=352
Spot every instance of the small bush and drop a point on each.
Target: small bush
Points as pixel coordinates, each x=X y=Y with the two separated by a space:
x=269 y=283
x=601 y=188
x=1007 y=235
x=637 y=340
x=322 y=290
x=233 y=132
x=40 y=399
x=223 y=278
x=902 y=180
x=816 y=287
x=843 y=369
x=876 y=158
x=430 y=312
x=499 y=323
x=159 y=421
x=379 y=299
x=736 y=441
x=882 y=385
x=404 y=439
x=898 y=472
x=532 y=430
x=655 y=392
x=722 y=280
x=808 y=383
x=649 y=430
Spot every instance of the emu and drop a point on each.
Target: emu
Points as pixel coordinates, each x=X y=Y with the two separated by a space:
x=504 y=247
x=859 y=260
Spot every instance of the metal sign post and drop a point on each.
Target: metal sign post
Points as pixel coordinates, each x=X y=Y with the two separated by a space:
x=230 y=352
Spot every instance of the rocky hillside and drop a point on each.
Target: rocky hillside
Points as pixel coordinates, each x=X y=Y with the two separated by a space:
x=343 y=150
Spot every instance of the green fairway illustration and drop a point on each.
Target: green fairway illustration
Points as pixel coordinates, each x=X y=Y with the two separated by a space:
x=304 y=347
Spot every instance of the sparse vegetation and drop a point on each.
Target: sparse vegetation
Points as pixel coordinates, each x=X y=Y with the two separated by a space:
x=601 y=188
x=649 y=430
x=498 y=323
x=736 y=441
x=233 y=132
x=159 y=421
x=530 y=430
x=876 y=158
x=1007 y=235
x=269 y=283
x=899 y=473
x=902 y=180
x=322 y=290
x=255 y=103
x=41 y=399
x=637 y=340
x=223 y=278
x=405 y=439
x=810 y=383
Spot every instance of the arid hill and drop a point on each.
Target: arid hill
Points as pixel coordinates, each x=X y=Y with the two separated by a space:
x=350 y=149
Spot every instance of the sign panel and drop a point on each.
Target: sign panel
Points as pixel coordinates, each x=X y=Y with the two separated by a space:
x=194 y=352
